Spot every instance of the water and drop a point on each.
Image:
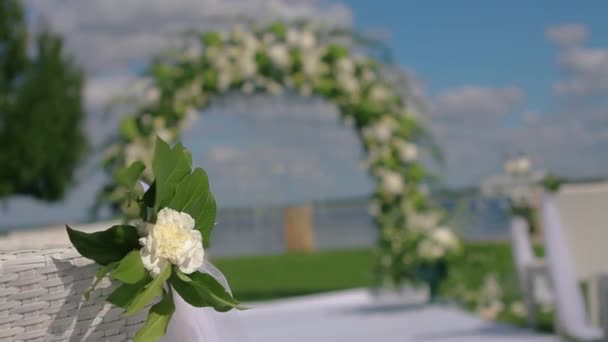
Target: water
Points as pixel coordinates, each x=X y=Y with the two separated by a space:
x=345 y=224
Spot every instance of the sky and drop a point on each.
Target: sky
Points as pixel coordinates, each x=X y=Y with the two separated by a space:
x=500 y=78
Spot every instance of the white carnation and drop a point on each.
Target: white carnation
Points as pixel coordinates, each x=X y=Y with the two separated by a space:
x=523 y=165
x=152 y=95
x=379 y=93
x=345 y=66
x=421 y=222
x=311 y=63
x=304 y=39
x=430 y=251
x=307 y=40
x=445 y=238
x=517 y=166
x=382 y=131
x=173 y=240
x=392 y=182
x=348 y=82
x=407 y=151
x=279 y=55
x=247 y=66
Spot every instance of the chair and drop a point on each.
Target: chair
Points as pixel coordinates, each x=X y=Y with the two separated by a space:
x=41 y=299
x=530 y=269
x=564 y=255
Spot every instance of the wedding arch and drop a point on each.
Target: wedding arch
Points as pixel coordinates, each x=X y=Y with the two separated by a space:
x=304 y=59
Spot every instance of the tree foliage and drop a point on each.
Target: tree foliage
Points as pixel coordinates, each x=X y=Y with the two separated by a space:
x=41 y=110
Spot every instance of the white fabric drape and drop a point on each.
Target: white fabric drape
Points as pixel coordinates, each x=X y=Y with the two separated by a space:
x=569 y=300
x=191 y=324
x=522 y=247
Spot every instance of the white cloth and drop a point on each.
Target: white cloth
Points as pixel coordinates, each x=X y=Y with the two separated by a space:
x=522 y=247
x=570 y=306
x=192 y=324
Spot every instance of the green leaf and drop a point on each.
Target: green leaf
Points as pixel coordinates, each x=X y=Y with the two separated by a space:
x=212 y=38
x=279 y=29
x=157 y=321
x=128 y=176
x=204 y=215
x=190 y=189
x=128 y=127
x=210 y=80
x=123 y=295
x=150 y=196
x=192 y=196
x=98 y=276
x=335 y=52
x=151 y=290
x=105 y=247
x=203 y=290
x=130 y=270
x=170 y=166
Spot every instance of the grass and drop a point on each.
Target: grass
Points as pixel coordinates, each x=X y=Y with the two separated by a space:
x=277 y=276
x=269 y=277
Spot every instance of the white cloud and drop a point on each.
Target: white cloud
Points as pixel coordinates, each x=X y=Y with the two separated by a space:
x=111 y=35
x=530 y=117
x=478 y=101
x=586 y=71
x=567 y=35
x=571 y=140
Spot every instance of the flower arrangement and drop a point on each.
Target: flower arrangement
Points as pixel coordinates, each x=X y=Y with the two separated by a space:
x=306 y=60
x=161 y=254
x=521 y=186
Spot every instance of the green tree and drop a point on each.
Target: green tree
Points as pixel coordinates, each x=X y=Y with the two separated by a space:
x=41 y=110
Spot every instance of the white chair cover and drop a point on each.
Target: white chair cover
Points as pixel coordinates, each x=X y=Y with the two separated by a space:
x=571 y=314
x=531 y=271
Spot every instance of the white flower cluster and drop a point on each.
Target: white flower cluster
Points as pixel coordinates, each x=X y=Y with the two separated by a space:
x=518 y=165
x=489 y=298
x=523 y=185
x=391 y=181
x=440 y=243
x=171 y=240
x=520 y=183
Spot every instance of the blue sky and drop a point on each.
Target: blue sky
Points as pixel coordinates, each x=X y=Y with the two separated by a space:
x=493 y=43
x=500 y=78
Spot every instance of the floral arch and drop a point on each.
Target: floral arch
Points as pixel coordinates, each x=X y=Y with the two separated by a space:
x=306 y=60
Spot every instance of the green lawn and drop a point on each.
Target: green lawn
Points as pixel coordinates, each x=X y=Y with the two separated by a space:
x=269 y=277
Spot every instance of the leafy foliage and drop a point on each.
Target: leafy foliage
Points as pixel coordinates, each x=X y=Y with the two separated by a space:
x=130 y=270
x=199 y=289
x=151 y=290
x=551 y=182
x=175 y=187
x=170 y=166
x=193 y=197
x=158 y=320
x=41 y=110
x=105 y=247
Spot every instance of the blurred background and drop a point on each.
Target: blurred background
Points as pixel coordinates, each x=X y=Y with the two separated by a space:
x=497 y=80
